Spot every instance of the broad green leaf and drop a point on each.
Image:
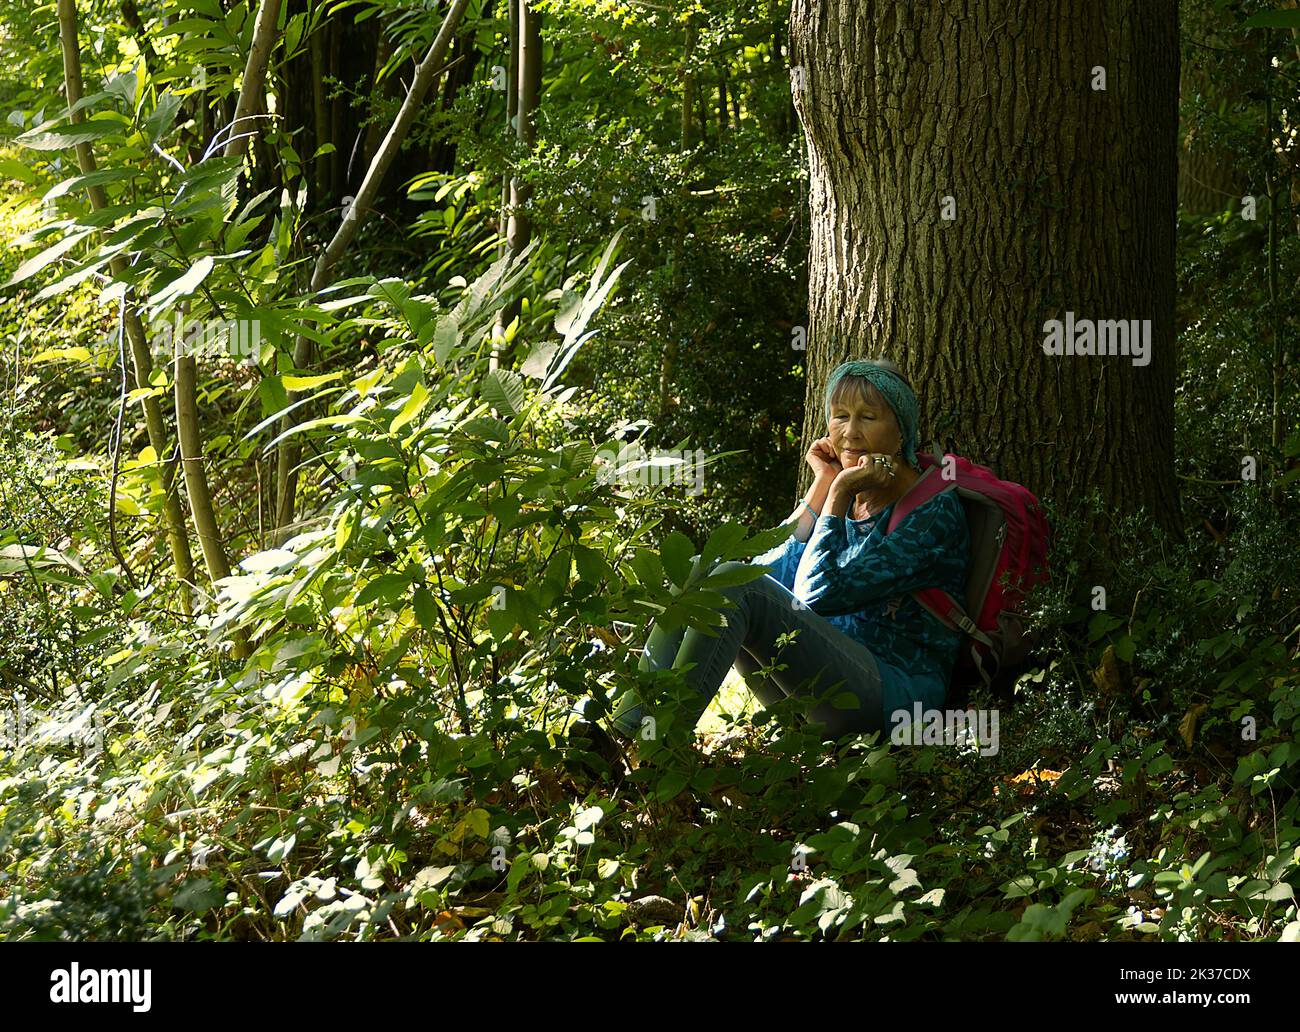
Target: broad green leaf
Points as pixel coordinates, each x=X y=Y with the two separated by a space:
x=411 y=409
x=298 y=428
x=164 y=115
x=445 y=338
x=77 y=354
x=198 y=895
x=426 y=609
x=504 y=390
x=677 y=551
x=271 y=559
x=97 y=178
x=722 y=541
x=64 y=136
x=306 y=383
x=182 y=286
x=1286 y=19
x=390 y=587
x=50 y=255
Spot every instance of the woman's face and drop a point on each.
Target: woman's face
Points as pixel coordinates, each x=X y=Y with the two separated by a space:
x=862 y=423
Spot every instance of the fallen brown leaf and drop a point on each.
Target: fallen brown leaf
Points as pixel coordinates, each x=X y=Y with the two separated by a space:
x=1187 y=726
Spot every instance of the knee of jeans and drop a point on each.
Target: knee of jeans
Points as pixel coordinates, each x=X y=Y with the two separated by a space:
x=735 y=592
x=763 y=583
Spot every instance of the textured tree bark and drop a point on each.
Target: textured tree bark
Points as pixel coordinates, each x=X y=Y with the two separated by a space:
x=1064 y=200
x=173 y=518
x=252 y=90
x=322 y=164
x=196 y=480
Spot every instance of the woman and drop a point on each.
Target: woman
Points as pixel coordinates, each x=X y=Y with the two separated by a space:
x=840 y=581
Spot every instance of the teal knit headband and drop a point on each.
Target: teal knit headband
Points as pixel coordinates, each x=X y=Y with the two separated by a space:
x=892 y=388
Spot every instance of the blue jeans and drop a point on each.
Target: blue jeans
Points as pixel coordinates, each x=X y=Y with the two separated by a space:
x=821 y=659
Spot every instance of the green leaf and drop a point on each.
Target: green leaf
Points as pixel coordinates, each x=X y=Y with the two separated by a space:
x=426 y=609
x=271 y=559
x=182 y=286
x=390 y=587
x=419 y=396
x=677 y=552
x=1288 y=19
x=64 y=136
x=445 y=338
x=670 y=785
x=198 y=895
x=164 y=115
x=97 y=178
x=306 y=383
x=722 y=541
x=15 y=169
x=730 y=578
x=504 y=390
x=50 y=255
x=77 y=354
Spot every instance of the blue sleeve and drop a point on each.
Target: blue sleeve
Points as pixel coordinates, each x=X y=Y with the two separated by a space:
x=838 y=576
x=783 y=560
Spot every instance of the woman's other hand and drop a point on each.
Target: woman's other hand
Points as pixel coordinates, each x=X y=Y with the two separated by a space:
x=821 y=457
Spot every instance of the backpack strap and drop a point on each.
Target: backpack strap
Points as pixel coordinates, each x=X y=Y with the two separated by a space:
x=951 y=614
x=928 y=486
x=936 y=601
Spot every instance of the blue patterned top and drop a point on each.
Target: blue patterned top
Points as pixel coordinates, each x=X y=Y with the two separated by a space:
x=860 y=578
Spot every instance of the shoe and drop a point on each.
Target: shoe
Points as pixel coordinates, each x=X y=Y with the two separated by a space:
x=588 y=737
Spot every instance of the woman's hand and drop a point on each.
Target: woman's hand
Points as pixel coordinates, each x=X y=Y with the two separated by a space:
x=870 y=472
x=823 y=460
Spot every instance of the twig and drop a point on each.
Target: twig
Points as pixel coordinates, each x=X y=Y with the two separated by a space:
x=116 y=447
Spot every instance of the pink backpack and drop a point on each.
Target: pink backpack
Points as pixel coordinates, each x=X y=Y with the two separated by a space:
x=1010 y=537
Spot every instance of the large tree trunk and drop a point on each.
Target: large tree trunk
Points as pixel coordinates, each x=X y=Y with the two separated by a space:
x=1065 y=201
